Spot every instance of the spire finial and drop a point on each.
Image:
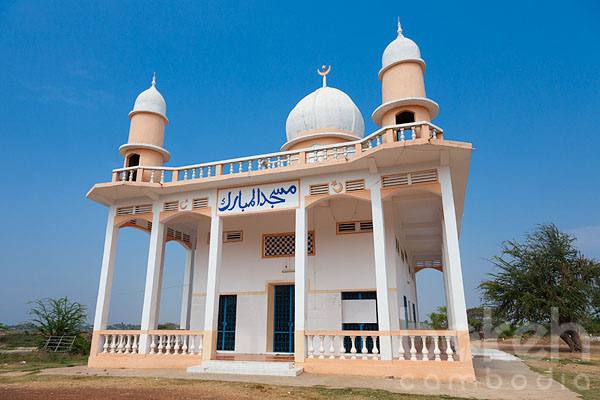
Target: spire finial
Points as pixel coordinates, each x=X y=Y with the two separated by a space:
x=399 y=27
x=154 y=79
x=324 y=71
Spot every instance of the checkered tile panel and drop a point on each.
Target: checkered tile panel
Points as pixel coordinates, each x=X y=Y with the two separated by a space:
x=284 y=245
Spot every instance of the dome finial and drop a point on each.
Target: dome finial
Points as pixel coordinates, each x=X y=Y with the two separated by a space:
x=399 y=27
x=324 y=71
x=154 y=79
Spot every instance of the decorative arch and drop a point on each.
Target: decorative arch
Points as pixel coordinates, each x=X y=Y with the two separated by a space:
x=430 y=187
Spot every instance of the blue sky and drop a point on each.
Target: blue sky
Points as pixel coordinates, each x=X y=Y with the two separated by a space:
x=520 y=81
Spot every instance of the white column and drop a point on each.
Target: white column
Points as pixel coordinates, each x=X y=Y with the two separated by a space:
x=153 y=277
x=381 y=278
x=449 y=309
x=300 y=283
x=211 y=313
x=186 y=295
x=106 y=273
x=452 y=268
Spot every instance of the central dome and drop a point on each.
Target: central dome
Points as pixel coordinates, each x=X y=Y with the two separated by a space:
x=326 y=112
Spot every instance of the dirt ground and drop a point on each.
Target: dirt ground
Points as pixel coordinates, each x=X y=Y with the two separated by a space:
x=119 y=388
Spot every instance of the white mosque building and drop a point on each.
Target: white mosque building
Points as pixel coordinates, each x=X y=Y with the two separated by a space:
x=305 y=259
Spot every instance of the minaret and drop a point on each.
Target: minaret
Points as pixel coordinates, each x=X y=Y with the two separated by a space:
x=403 y=98
x=147 y=130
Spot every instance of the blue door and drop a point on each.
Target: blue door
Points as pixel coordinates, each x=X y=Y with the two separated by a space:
x=226 y=327
x=283 y=325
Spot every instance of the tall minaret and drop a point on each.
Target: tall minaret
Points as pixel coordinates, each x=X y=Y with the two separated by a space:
x=403 y=96
x=147 y=130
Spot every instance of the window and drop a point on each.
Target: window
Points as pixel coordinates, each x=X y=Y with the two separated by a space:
x=405 y=311
x=284 y=244
x=405 y=117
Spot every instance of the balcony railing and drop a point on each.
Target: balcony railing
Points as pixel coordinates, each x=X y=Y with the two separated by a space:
x=410 y=345
x=285 y=159
x=167 y=342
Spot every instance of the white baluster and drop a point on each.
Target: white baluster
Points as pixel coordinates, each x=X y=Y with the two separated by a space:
x=311 y=348
x=199 y=344
x=353 y=348
x=152 y=176
x=153 y=344
x=162 y=176
x=402 y=134
x=342 y=348
x=185 y=174
x=130 y=178
x=363 y=343
x=122 y=176
x=425 y=356
x=288 y=160
x=240 y=167
x=414 y=133
x=178 y=341
x=192 y=344
x=160 y=344
x=184 y=348
x=375 y=348
x=194 y=173
x=331 y=347
x=128 y=344
x=413 y=349
x=434 y=133
x=134 y=348
x=449 y=352
x=401 y=354
x=436 y=348
x=321 y=347
x=201 y=172
x=113 y=343
x=249 y=165
x=105 y=346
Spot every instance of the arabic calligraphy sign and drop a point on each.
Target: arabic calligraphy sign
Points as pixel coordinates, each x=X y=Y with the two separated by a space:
x=258 y=198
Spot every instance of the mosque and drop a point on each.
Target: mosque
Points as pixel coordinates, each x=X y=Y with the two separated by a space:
x=305 y=259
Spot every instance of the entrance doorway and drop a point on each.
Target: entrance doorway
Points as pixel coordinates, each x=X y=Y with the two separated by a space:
x=283 y=319
x=226 y=326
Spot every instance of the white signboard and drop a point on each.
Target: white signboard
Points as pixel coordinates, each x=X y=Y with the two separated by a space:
x=266 y=197
x=359 y=311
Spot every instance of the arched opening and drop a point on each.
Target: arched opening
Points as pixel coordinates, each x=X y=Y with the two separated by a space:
x=405 y=117
x=430 y=292
x=133 y=160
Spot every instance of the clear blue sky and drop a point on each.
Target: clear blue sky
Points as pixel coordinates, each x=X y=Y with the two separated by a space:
x=521 y=81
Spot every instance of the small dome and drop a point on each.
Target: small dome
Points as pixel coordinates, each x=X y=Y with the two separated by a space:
x=325 y=112
x=150 y=100
x=401 y=49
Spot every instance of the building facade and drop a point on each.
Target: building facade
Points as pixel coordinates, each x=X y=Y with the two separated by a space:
x=304 y=259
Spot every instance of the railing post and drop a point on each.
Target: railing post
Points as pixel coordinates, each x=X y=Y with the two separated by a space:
x=389 y=136
x=424 y=131
x=218 y=169
x=358 y=148
x=139 y=176
x=175 y=175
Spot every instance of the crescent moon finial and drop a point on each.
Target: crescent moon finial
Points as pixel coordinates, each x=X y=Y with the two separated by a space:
x=324 y=71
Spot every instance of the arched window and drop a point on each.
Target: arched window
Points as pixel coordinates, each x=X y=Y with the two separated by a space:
x=133 y=160
x=405 y=117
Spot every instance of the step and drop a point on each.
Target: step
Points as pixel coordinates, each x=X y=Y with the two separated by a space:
x=246 y=368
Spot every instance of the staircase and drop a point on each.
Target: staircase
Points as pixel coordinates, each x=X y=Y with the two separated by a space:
x=246 y=368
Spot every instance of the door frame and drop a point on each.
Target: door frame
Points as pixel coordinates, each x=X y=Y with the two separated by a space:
x=270 y=289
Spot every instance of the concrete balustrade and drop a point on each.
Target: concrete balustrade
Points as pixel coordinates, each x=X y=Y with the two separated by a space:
x=407 y=345
x=341 y=152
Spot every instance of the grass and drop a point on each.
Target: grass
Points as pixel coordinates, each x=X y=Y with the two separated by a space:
x=38 y=360
x=582 y=377
x=12 y=340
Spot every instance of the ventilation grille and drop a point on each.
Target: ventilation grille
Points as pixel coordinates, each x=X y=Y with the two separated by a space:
x=137 y=209
x=352 y=186
x=354 y=227
x=409 y=178
x=320 y=188
x=200 y=203
x=171 y=206
x=178 y=235
x=233 y=236
x=428 y=264
x=284 y=244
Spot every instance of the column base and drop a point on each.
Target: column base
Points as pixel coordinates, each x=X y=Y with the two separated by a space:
x=209 y=345
x=299 y=347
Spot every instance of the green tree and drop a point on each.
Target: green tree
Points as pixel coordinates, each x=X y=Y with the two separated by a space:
x=438 y=319
x=544 y=272
x=55 y=317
